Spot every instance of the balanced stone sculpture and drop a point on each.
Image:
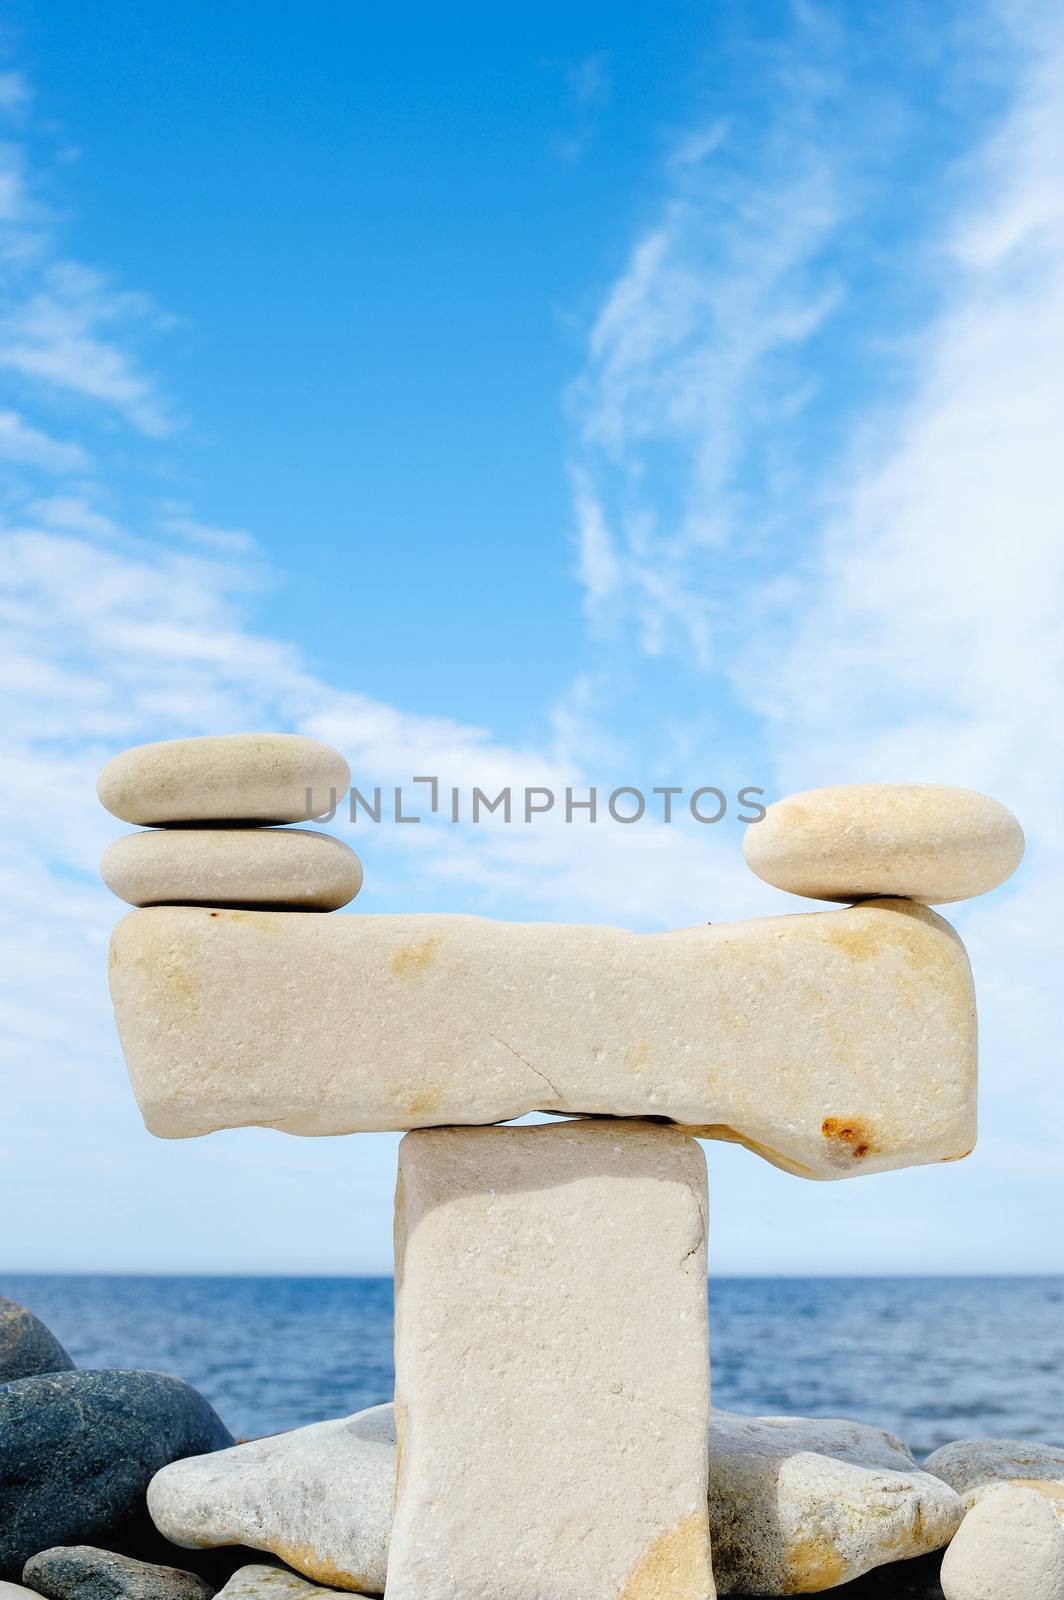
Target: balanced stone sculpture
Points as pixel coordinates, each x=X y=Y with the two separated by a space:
x=552 y=1361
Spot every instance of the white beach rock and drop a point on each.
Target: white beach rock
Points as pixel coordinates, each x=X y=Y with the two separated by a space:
x=12 y=1591
x=1010 y=1547
x=269 y=1583
x=975 y=1467
x=233 y=777
x=552 y=1365
x=916 y=841
x=834 y=1043
x=801 y=1504
x=275 y=867
x=319 y=1498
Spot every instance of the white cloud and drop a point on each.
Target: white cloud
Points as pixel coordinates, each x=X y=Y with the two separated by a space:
x=65 y=327
x=695 y=353
x=58 y=335
x=21 y=442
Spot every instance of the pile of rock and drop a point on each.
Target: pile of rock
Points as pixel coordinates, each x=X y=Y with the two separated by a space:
x=796 y=1505
x=78 y=1450
x=210 y=804
x=552 y=1366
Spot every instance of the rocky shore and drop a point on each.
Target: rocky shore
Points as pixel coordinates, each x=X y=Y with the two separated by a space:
x=128 y=1486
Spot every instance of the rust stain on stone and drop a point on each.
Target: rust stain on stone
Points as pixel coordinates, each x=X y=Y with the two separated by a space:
x=305 y=1559
x=411 y=959
x=860 y=943
x=676 y=1565
x=638 y=1056
x=1049 y=1487
x=179 y=985
x=812 y=1564
x=850 y=1136
x=425 y=1101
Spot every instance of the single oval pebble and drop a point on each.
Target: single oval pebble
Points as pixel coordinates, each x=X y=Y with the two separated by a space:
x=976 y=1467
x=252 y=778
x=910 y=841
x=283 y=868
x=1009 y=1547
x=81 y=1572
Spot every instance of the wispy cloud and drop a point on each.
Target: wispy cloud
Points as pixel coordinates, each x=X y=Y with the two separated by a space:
x=588 y=87
x=65 y=326
x=900 y=590
x=695 y=356
x=62 y=335
x=29 y=446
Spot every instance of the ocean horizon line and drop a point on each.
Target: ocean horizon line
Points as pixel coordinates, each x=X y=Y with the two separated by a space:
x=280 y=1276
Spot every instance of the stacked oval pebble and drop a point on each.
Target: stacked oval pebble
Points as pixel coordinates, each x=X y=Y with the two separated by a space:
x=211 y=805
x=904 y=841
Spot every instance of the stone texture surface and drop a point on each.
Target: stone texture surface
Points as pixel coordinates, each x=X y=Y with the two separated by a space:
x=11 y=1591
x=319 y=1498
x=552 y=1368
x=1010 y=1547
x=78 y=1450
x=27 y=1347
x=917 y=841
x=282 y=867
x=974 y=1467
x=81 y=1572
x=834 y=1043
x=798 y=1504
x=268 y=1583
x=232 y=777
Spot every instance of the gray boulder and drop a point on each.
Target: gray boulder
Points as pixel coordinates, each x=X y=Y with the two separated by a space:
x=26 y=1345
x=78 y=1450
x=78 y=1572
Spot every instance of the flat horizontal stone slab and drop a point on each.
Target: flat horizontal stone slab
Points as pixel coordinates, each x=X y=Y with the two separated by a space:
x=551 y=1365
x=918 y=841
x=833 y=1043
x=292 y=868
x=229 y=777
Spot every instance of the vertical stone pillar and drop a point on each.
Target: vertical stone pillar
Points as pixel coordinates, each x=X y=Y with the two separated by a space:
x=552 y=1365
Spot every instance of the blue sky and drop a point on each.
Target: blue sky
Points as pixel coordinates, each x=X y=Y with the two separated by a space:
x=561 y=394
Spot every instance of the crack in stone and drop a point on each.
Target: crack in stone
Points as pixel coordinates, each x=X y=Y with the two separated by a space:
x=553 y=1087
x=685 y=1258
